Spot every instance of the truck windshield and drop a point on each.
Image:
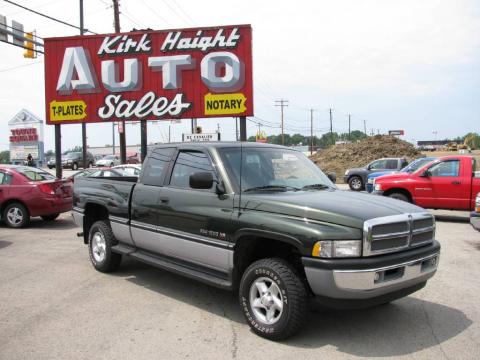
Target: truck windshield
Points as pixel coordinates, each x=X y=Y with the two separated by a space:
x=415 y=165
x=273 y=169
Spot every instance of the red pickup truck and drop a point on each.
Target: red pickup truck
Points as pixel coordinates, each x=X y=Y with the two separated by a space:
x=450 y=182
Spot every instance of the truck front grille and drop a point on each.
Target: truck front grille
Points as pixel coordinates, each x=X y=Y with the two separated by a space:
x=396 y=233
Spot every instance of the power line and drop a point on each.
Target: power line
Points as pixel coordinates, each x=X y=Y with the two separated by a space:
x=156 y=13
x=20 y=66
x=282 y=103
x=47 y=16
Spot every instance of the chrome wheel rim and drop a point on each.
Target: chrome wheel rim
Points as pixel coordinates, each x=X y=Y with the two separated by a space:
x=266 y=300
x=356 y=183
x=99 y=247
x=15 y=216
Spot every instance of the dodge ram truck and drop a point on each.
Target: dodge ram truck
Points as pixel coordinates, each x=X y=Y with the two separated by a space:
x=451 y=182
x=262 y=220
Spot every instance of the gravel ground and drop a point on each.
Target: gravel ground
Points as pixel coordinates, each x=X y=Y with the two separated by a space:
x=54 y=305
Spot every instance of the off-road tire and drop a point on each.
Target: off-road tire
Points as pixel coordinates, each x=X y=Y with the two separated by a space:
x=111 y=260
x=21 y=209
x=355 y=183
x=50 y=217
x=399 y=196
x=294 y=298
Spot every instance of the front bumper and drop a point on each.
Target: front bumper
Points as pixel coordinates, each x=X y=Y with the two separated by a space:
x=475 y=220
x=372 y=277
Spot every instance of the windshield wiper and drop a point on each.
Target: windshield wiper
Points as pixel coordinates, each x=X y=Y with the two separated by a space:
x=272 y=188
x=316 y=186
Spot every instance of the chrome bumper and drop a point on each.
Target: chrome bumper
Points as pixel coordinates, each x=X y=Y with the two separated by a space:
x=475 y=220
x=369 y=283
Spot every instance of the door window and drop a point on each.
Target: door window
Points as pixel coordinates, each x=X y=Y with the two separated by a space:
x=392 y=164
x=445 y=169
x=189 y=162
x=379 y=164
x=5 y=179
x=156 y=166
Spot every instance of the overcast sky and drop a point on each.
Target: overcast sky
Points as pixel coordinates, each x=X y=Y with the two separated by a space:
x=398 y=64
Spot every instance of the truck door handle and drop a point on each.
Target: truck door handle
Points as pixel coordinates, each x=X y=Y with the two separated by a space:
x=164 y=199
x=456 y=182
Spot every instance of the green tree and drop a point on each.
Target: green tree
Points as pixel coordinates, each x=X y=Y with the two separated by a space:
x=5 y=157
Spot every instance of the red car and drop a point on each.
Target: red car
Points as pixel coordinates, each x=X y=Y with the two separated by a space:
x=450 y=182
x=28 y=192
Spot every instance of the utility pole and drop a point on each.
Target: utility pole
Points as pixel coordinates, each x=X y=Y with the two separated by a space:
x=236 y=128
x=365 y=127
x=282 y=103
x=84 y=125
x=331 y=126
x=311 y=131
x=113 y=138
x=349 y=125
x=169 y=133
x=123 y=142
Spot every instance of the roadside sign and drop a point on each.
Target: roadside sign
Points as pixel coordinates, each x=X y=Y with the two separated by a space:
x=149 y=75
x=396 y=132
x=200 y=137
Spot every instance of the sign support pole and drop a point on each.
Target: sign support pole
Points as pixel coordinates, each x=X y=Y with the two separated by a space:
x=58 y=151
x=143 y=140
x=243 y=128
x=84 y=126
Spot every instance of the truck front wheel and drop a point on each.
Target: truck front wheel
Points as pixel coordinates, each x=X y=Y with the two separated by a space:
x=399 y=196
x=100 y=244
x=273 y=298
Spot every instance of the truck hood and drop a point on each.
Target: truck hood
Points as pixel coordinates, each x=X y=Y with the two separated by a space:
x=360 y=169
x=332 y=206
x=381 y=173
x=394 y=177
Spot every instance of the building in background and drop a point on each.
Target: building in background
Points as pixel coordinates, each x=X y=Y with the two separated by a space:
x=26 y=137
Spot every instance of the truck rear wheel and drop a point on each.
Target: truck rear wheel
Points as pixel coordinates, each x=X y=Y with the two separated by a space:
x=273 y=298
x=100 y=244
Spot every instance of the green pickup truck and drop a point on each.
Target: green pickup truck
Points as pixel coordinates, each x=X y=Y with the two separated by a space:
x=262 y=220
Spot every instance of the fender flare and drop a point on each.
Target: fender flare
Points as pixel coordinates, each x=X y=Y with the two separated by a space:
x=246 y=232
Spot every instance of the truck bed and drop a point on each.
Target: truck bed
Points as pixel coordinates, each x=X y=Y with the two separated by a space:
x=111 y=192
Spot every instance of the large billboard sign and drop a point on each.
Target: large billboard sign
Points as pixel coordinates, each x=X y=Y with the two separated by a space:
x=172 y=74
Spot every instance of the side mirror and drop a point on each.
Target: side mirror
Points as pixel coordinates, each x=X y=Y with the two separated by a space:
x=332 y=176
x=426 y=173
x=201 y=180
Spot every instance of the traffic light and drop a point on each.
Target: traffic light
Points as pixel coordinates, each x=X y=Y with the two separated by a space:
x=30 y=46
x=198 y=130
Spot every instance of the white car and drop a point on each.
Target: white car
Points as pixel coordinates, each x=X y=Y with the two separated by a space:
x=108 y=160
x=129 y=169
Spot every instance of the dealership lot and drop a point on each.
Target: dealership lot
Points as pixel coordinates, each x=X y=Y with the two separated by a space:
x=53 y=304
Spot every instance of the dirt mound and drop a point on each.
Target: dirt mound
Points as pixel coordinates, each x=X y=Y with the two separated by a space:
x=338 y=158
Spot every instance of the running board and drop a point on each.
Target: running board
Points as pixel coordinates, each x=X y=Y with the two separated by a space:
x=205 y=275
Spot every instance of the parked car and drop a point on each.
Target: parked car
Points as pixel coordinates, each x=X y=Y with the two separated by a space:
x=109 y=160
x=357 y=178
x=263 y=220
x=133 y=158
x=28 y=192
x=410 y=168
x=475 y=214
x=97 y=157
x=74 y=160
x=96 y=172
x=129 y=169
x=51 y=163
x=450 y=182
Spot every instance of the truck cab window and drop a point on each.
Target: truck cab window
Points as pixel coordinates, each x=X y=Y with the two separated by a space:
x=189 y=162
x=445 y=169
x=392 y=164
x=156 y=166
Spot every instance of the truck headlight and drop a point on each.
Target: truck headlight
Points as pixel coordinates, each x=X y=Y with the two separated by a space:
x=337 y=248
x=378 y=187
x=346 y=172
x=371 y=181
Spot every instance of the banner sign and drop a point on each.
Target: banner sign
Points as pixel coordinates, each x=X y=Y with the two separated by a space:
x=200 y=137
x=396 y=132
x=172 y=74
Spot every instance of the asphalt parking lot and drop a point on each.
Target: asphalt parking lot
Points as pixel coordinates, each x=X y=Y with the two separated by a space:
x=54 y=305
